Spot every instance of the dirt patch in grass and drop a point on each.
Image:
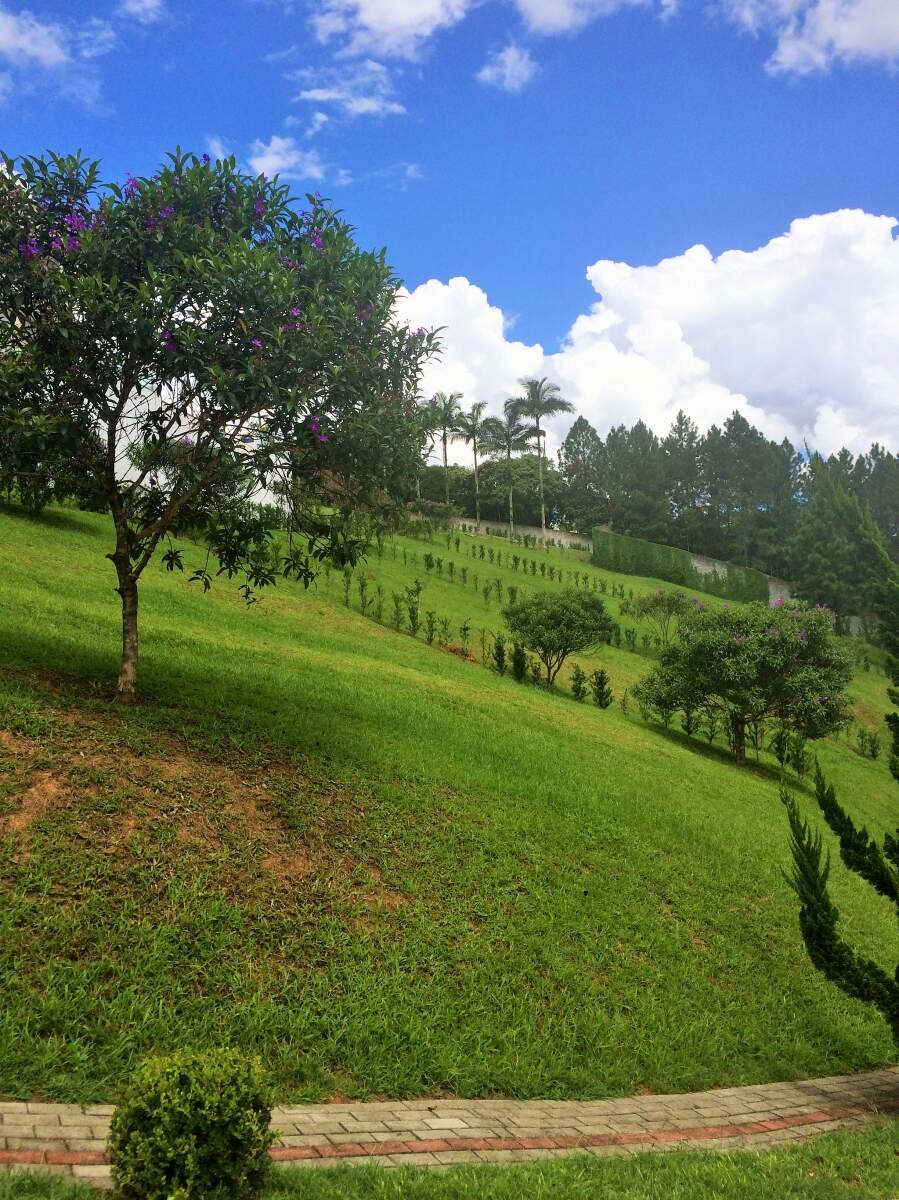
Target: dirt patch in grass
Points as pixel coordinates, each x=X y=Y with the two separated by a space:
x=19 y=746
x=33 y=803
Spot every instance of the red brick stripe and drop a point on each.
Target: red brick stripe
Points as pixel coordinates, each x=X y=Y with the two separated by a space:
x=694 y=1133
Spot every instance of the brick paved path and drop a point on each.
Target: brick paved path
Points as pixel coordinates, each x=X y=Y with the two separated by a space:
x=69 y=1139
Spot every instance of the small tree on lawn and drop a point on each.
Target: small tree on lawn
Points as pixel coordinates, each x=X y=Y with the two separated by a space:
x=877 y=865
x=778 y=664
x=557 y=625
x=193 y=340
x=663 y=608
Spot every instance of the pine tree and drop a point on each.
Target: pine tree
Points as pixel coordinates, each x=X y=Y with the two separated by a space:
x=818 y=916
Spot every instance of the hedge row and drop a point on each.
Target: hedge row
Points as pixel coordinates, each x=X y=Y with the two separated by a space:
x=635 y=556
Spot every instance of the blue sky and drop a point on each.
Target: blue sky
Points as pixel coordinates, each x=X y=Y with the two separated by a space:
x=512 y=143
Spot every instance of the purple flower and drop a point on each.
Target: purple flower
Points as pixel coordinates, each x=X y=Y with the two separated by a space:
x=56 y=243
x=151 y=222
x=75 y=223
x=256 y=343
x=296 y=312
x=365 y=312
x=30 y=249
x=132 y=187
x=206 y=159
x=168 y=341
x=317 y=240
x=259 y=208
x=247 y=439
x=779 y=602
x=167 y=212
x=73 y=244
x=725 y=605
x=421 y=331
x=323 y=437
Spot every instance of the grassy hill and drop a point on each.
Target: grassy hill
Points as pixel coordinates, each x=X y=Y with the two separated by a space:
x=384 y=868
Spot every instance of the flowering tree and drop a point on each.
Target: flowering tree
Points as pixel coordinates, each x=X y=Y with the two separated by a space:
x=754 y=664
x=192 y=340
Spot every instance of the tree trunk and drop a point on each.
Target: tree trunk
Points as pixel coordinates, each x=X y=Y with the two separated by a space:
x=477 y=494
x=445 y=472
x=540 y=482
x=511 y=514
x=127 y=686
x=738 y=738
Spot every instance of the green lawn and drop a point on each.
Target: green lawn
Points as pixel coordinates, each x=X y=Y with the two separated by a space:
x=856 y=1165
x=385 y=869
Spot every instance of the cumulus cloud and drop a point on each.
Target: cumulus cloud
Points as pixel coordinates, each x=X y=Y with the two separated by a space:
x=391 y=27
x=363 y=89
x=282 y=156
x=563 y=16
x=812 y=34
x=477 y=360
x=24 y=37
x=145 y=11
x=799 y=335
x=217 y=147
x=510 y=69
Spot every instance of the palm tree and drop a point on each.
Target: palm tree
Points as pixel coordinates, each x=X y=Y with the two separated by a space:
x=470 y=428
x=446 y=410
x=505 y=436
x=542 y=399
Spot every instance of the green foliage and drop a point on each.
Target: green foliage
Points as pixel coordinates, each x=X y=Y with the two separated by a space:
x=412 y=596
x=798 y=757
x=519 y=662
x=754 y=665
x=818 y=916
x=194 y=1126
x=555 y=626
x=663 y=608
x=430 y=626
x=191 y=341
x=602 y=691
x=579 y=682
x=636 y=556
x=838 y=556
x=499 y=654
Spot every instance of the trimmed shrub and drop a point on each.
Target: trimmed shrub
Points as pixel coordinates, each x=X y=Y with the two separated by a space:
x=578 y=682
x=194 y=1126
x=519 y=662
x=636 y=556
x=499 y=653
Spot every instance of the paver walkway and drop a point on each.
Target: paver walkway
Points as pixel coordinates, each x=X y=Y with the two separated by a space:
x=69 y=1139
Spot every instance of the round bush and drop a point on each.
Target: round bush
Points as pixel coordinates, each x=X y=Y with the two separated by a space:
x=193 y=1126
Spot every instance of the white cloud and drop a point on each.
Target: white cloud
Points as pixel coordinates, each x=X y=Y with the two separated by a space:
x=24 y=37
x=800 y=335
x=563 y=16
x=510 y=69
x=95 y=38
x=217 y=147
x=477 y=358
x=145 y=11
x=282 y=156
x=812 y=34
x=391 y=27
x=363 y=89
x=317 y=123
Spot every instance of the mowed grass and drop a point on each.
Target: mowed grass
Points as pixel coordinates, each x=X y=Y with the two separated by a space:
x=851 y=1165
x=384 y=869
